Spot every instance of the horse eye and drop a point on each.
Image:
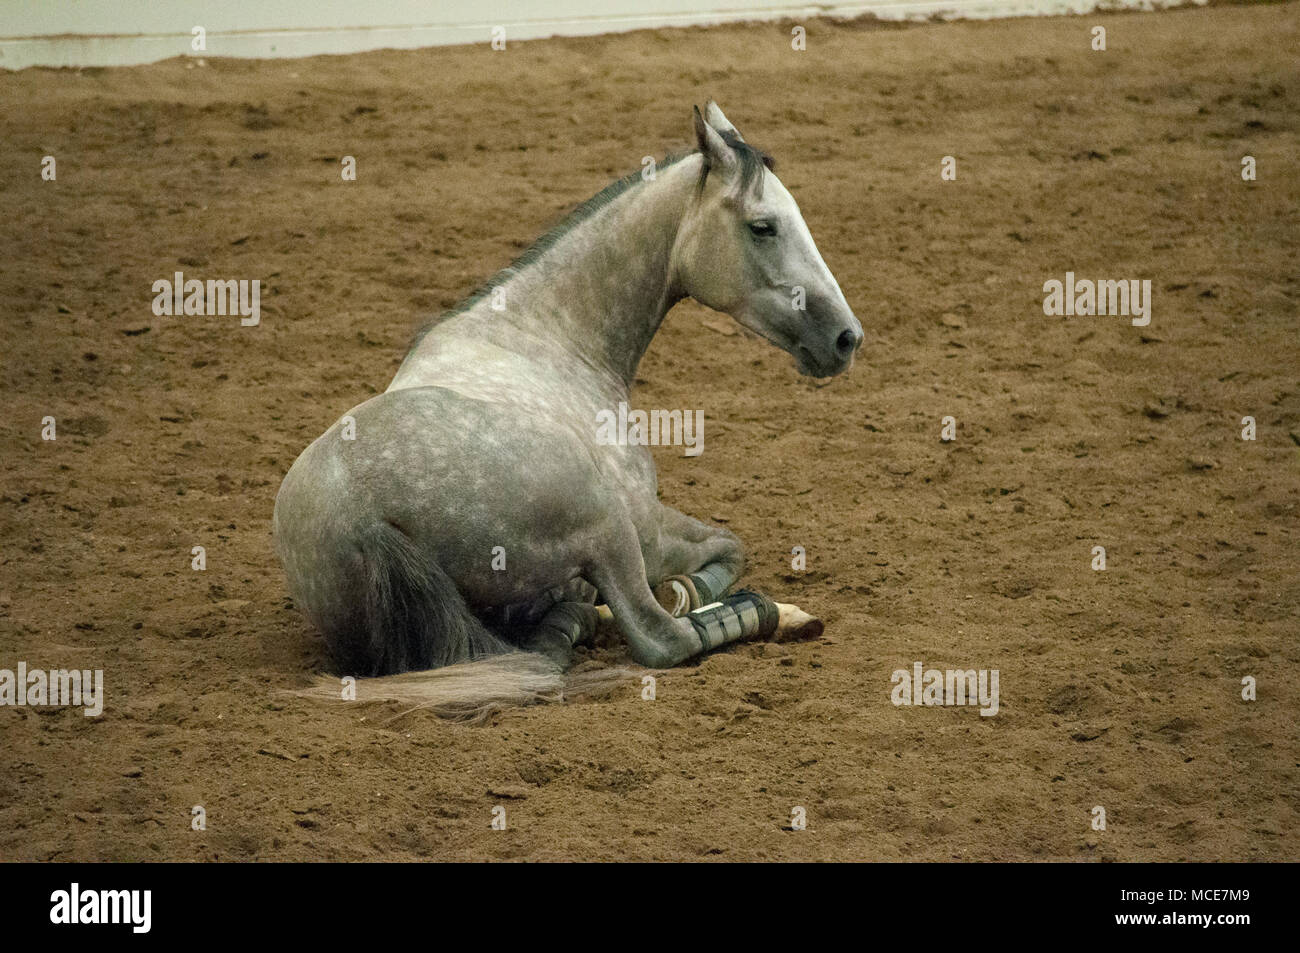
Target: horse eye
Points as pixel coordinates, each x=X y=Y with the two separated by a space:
x=762 y=229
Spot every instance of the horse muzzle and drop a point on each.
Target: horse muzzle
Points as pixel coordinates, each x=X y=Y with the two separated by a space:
x=830 y=354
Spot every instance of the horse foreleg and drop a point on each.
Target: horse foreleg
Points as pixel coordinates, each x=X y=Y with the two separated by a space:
x=656 y=638
x=701 y=562
x=792 y=622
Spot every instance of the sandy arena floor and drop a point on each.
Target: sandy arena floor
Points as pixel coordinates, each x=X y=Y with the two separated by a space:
x=1119 y=688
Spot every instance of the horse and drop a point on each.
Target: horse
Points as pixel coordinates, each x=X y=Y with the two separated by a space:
x=468 y=521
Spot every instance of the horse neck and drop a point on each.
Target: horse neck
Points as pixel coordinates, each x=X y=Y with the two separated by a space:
x=602 y=290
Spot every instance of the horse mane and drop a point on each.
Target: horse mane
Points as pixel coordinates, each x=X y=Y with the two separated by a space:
x=752 y=160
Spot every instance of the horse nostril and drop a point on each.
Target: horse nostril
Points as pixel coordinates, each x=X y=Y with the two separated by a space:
x=848 y=342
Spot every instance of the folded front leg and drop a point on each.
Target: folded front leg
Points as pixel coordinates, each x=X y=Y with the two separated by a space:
x=655 y=637
x=699 y=563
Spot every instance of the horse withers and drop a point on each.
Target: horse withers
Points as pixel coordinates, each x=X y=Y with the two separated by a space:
x=470 y=513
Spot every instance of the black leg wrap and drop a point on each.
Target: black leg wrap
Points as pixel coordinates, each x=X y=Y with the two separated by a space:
x=710 y=582
x=741 y=615
x=566 y=624
x=576 y=621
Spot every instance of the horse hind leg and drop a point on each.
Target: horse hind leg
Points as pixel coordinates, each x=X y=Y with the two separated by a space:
x=563 y=627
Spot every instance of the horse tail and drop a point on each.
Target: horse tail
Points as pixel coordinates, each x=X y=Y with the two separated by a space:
x=474 y=690
x=413 y=615
x=424 y=648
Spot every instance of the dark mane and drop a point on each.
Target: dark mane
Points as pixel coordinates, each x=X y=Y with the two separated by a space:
x=751 y=162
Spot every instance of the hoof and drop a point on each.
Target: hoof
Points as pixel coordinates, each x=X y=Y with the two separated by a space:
x=795 y=624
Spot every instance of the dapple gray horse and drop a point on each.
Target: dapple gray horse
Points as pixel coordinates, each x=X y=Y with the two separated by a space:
x=470 y=512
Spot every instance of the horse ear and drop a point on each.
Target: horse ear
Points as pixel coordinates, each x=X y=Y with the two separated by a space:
x=717 y=154
x=720 y=122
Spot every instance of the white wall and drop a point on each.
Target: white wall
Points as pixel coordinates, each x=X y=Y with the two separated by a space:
x=124 y=32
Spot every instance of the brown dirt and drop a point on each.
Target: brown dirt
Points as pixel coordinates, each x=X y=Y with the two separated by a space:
x=1119 y=689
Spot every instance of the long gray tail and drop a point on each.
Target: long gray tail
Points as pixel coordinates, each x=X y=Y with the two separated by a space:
x=474 y=690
